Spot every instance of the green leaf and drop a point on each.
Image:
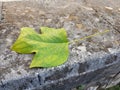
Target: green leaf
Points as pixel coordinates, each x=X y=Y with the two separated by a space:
x=50 y=47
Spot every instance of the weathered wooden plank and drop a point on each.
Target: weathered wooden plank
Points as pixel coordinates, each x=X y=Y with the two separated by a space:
x=92 y=62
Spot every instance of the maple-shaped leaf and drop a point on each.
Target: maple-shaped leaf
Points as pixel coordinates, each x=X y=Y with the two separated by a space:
x=50 y=47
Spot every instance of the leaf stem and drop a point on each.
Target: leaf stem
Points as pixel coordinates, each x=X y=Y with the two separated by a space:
x=90 y=36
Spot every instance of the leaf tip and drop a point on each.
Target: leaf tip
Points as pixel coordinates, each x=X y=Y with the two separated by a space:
x=30 y=67
x=11 y=48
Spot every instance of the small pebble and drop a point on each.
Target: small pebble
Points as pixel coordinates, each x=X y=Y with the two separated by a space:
x=118 y=9
x=79 y=26
x=109 y=8
x=82 y=48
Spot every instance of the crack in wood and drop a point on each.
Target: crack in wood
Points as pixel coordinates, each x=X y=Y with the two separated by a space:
x=116 y=29
x=113 y=26
x=39 y=79
x=2 y=84
x=112 y=78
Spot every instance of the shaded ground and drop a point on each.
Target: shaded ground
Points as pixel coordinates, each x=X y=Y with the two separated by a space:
x=80 y=18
